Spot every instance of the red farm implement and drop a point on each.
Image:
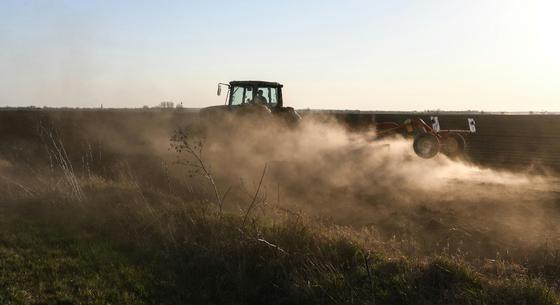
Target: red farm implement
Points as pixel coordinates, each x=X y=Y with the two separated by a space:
x=428 y=140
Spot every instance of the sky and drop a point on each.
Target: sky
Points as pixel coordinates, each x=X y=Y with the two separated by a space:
x=490 y=55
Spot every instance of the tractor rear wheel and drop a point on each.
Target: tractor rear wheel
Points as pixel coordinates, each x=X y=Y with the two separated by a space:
x=453 y=145
x=426 y=145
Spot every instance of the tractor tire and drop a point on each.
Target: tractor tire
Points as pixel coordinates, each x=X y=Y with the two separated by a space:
x=453 y=145
x=426 y=145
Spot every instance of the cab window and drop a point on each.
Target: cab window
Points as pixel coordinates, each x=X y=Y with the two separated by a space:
x=241 y=95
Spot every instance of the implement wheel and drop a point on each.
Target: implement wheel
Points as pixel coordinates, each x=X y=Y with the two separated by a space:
x=453 y=145
x=426 y=145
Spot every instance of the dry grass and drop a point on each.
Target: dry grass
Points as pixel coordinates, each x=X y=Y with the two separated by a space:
x=173 y=252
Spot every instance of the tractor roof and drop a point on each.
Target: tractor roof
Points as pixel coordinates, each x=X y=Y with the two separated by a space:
x=258 y=83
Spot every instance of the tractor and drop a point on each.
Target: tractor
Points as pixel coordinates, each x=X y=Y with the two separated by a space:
x=252 y=98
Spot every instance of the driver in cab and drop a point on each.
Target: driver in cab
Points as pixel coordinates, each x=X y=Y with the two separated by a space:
x=260 y=99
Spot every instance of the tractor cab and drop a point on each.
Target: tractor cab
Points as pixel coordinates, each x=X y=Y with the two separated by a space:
x=253 y=92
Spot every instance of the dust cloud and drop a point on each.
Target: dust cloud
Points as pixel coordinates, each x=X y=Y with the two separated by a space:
x=322 y=169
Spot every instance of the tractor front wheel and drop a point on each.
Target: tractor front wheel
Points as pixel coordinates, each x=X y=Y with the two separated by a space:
x=426 y=145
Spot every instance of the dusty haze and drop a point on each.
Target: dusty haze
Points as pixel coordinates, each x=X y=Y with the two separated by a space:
x=323 y=170
x=318 y=170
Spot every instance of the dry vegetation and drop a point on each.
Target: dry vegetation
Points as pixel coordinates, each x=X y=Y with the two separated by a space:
x=117 y=215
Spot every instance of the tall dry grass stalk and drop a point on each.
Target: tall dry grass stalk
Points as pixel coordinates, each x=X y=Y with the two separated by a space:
x=59 y=159
x=182 y=142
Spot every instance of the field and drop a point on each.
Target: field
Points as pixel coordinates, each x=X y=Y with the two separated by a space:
x=135 y=207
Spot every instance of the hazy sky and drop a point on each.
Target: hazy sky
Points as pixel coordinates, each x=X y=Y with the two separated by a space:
x=388 y=55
